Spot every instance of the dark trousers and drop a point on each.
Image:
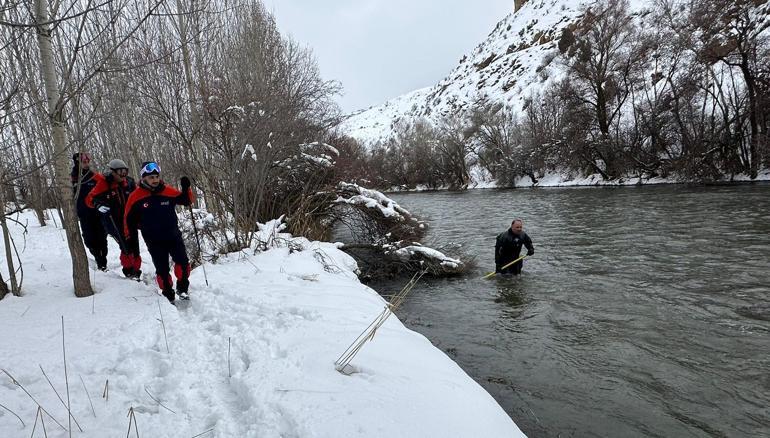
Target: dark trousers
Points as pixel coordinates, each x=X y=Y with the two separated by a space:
x=160 y=252
x=94 y=236
x=514 y=269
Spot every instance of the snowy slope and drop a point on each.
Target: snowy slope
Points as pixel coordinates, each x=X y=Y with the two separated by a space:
x=514 y=61
x=287 y=316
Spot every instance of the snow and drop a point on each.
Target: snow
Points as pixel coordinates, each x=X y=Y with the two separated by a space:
x=516 y=61
x=568 y=179
x=406 y=253
x=252 y=356
x=564 y=179
x=249 y=149
x=510 y=65
x=318 y=146
x=323 y=160
x=375 y=124
x=372 y=199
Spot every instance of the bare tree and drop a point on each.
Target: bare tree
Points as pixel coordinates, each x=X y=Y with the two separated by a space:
x=61 y=87
x=601 y=68
x=733 y=33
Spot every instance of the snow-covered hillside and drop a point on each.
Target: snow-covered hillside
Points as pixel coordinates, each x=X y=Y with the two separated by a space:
x=514 y=61
x=252 y=356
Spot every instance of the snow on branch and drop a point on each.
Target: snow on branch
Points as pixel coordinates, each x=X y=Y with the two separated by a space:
x=249 y=149
x=317 y=153
x=355 y=195
x=387 y=235
x=434 y=261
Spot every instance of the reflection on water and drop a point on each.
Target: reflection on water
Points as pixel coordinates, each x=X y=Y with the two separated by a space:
x=510 y=293
x=639 y=315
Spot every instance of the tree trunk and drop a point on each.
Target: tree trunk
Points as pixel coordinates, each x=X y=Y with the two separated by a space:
x=8 y=247
x=35 y=193
x=80 y=275
x=3 y=287
x=601 y=112
x=195 y=119
x=754 y=125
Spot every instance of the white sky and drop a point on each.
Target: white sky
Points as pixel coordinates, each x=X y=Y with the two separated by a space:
x=380 y=49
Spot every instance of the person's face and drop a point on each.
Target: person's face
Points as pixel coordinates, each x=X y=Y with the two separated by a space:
x=517 y=226
x=152 y=180
x=119 y=174
x=85 y=161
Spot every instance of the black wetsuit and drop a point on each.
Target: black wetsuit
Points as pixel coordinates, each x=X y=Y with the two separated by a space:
x=508 y=248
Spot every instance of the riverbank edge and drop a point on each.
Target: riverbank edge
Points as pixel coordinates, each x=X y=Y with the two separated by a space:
x=289 y=314
x=555 y=180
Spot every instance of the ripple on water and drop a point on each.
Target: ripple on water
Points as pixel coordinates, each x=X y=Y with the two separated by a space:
x=634 y=318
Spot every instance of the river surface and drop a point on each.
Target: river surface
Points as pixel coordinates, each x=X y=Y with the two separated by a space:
x=624 y=323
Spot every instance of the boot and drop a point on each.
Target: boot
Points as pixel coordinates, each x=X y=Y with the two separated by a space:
x=101 y=263
x=169 y=294
x=133 y=274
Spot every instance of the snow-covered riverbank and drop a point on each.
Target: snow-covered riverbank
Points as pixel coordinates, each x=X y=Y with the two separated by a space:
x=481 y=179
x=252 y=356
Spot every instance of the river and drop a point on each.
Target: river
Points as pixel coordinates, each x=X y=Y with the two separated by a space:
x=624 y=323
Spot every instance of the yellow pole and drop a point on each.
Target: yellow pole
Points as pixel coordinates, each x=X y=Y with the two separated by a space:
x=492 y=274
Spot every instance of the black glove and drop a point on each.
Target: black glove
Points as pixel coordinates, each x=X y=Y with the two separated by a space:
x=184 y=182
x=530 y=252
x=497 y=268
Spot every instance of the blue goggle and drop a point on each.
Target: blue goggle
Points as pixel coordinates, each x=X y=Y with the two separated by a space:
x=149 y=168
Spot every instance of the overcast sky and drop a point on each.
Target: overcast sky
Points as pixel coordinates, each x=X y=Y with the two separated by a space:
x=380 y=49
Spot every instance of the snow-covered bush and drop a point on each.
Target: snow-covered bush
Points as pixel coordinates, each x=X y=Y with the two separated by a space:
x=387 y=236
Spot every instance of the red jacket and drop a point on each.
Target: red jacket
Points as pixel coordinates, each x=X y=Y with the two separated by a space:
x=153 y=210
x=111 y=193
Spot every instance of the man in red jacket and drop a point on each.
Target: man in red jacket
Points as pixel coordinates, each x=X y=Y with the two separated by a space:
x=109 y=198
x=152 y=209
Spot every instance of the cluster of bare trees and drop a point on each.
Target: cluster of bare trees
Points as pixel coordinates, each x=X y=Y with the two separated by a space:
x=423 y=154
x=208 y=88
x=680 y=90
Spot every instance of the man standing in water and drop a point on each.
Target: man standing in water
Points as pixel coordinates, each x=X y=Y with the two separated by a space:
x=508 y=248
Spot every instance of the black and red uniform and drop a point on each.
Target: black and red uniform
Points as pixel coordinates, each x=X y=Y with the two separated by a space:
x=94 y=237
x=152 y=210
x=110 y=193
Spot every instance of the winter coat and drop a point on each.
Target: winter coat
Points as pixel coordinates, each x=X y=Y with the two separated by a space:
x=113 y=194
x=153 y=210
x=82 y=184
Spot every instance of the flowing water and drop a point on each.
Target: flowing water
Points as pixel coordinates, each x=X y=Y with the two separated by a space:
x=625 y=323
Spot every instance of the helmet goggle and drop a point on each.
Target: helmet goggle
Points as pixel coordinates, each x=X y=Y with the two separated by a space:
x=150 y=168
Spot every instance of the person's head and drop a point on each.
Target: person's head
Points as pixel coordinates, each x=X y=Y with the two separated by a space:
x=82 y=160
x=150 y=173
x=517 y=226
x=118 y=169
